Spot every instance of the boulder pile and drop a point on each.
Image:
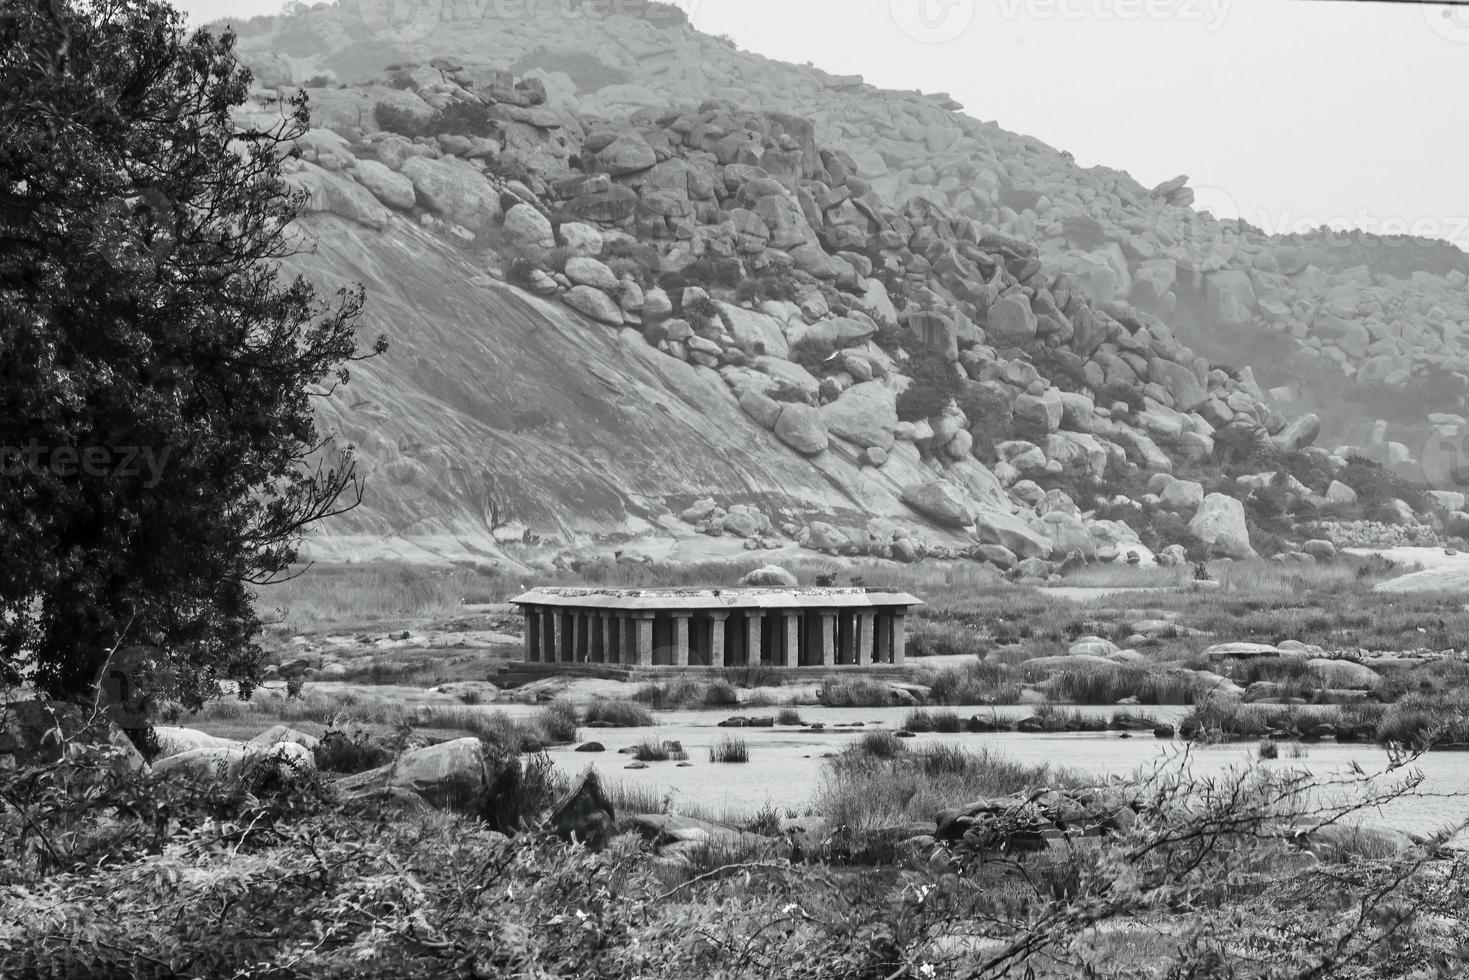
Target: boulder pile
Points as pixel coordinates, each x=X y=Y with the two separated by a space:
x=871 y=275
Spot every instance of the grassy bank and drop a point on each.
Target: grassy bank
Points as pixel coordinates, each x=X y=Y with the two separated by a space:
x=1417 y=721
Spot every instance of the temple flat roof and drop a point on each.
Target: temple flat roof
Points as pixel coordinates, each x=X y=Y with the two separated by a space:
x=776 y=598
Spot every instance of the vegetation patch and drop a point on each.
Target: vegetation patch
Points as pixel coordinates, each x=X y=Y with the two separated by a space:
x=729 y=749
x=618 y=714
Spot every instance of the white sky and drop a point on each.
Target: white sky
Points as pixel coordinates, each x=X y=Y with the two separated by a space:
x=1288 y=114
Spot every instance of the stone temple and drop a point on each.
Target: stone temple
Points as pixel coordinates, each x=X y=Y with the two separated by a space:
x=779 y=627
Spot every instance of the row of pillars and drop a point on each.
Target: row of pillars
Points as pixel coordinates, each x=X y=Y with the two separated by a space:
x=716 y=638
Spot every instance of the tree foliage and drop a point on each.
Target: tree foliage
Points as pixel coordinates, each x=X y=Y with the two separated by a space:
x=157 y=368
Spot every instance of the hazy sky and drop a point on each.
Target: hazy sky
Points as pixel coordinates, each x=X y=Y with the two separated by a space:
x=1288 y=114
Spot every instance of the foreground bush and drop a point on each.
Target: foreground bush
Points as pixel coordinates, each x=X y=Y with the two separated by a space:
x=1207 y=880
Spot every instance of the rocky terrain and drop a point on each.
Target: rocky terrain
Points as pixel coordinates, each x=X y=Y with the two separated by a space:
x=652 y=296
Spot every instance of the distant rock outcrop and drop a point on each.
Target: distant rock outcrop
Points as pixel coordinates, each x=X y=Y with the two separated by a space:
x=644 y=268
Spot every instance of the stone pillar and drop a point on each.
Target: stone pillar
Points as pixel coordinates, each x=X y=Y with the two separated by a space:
x=642 y=629
x=716 y=638
x=884 y=637
x=612 y=636
x=582 y=637
x=863 y=636
x=532 y=640
x=566 y=635
x=596 y=638
x=548 y=635
x=792 y=638
x=681 y=639
x=828 y=637
x=754 y=645
x=899 y=639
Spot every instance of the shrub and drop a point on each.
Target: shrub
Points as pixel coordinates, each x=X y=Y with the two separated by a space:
x=521 y=270
x=396 y=119
x=810 y=355
x=473 y=118
x=1377 y=487
x=991 y=417
x=853 y=692
x=1149 y=685
x=672 y=694
x=729 y=749
x=977 y=682
x=520 y=790
x=755 y=675
x=889 y=337
x=712 y=270
x=1240 y=450
x=934 y=384
x=339 y=752
x=457 y=119
x=917 y=721
x=881 y=745
x=652 y=750
x=789 y=394
x=622 y=714
x=557 y=722
x=920 y=720
x=1120 y=391
x=721 y=694
x=765 y=822
x=942 y=759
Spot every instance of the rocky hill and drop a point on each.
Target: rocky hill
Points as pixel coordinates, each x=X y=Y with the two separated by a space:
x=652 y=295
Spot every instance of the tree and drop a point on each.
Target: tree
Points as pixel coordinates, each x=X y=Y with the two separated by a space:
x=158 y=450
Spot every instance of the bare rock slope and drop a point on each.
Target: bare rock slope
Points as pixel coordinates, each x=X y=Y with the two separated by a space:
x=643 y=286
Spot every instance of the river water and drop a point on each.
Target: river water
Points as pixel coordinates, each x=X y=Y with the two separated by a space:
x=785 y=762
